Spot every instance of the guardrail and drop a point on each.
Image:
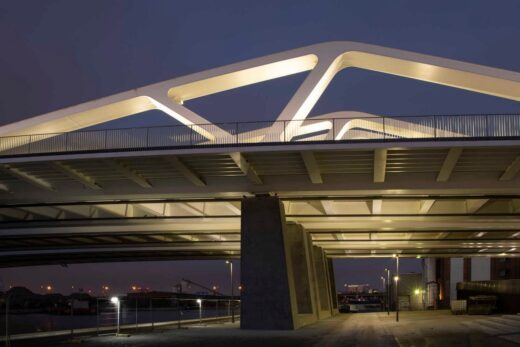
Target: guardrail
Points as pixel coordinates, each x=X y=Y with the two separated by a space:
x=268 y=132
x=101 y=315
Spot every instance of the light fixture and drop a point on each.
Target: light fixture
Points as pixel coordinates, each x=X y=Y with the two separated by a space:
x=114 y=300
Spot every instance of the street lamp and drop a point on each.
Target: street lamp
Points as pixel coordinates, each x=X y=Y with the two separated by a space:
x=387 y=292
x=384 y=289
x=230 y=263
x=115 y=301
x=199 y=302
x=396 y=278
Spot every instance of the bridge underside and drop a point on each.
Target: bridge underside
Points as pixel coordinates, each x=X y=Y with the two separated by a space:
x=374 y=200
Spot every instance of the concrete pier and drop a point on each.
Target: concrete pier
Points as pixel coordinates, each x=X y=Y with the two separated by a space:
x=286 y=282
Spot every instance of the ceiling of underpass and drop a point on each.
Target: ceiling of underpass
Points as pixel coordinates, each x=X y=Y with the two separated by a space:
x=420 y=200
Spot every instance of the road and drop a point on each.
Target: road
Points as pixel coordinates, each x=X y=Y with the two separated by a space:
x=431 y=328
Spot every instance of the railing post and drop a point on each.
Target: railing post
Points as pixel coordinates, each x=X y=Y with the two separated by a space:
x=151 y=312
x=487 y=126
x=29 y=147
x=71 y=317
x=284 y=132
x=178 y=314
x=191 y=135
x=97 y=316
x=236 y=132
x=384 y=128
x=147 y=137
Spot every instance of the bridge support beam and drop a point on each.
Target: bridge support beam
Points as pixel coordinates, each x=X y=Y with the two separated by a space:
x=282 y=275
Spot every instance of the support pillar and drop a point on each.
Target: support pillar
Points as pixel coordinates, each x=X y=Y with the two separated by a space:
x=276 y=269
x=324 y=307
x=332 y=287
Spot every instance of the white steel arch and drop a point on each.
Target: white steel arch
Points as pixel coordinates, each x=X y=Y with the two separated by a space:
x=324 y=61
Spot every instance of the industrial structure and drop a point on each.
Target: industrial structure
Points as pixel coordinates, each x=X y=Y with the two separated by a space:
x=285 y=196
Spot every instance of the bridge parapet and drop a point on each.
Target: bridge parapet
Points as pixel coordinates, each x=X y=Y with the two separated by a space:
x=344 y=127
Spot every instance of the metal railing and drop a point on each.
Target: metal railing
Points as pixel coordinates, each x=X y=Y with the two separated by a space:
x=103 y=316
x=268 y=132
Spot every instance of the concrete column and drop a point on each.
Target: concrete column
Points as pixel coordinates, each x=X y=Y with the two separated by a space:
x=456 y=275
x=332 y=287
x=480 y=269
x=430 y=282
x=323 y=300
x=276 y=269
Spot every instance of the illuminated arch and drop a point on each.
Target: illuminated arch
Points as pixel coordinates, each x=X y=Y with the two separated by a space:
x=323 y=61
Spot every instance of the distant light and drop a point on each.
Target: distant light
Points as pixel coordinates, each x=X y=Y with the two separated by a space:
x=394 y=255
x=228 y=262
x=396 y=278
x=214 y=287
x=114 y=300
x=480 y=234
x=417 y=291
x=199 y=302
x=502 y=254
x=418 y=257
x=49 y=288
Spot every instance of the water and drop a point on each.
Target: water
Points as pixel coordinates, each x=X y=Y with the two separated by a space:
x=39 y=322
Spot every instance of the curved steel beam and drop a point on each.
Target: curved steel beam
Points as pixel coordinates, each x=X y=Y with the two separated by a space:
x=325 y=60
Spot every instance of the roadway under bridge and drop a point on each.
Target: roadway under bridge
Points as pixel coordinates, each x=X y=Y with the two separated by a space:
x=285 y=196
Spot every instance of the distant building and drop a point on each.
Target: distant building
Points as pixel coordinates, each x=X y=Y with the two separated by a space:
x=442 y=275
x=411 y=291
x=357 y=288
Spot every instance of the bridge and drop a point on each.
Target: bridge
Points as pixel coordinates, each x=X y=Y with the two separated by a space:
x=284 y=196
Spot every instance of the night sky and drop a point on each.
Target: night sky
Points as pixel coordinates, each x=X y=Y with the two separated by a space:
x=60 y=53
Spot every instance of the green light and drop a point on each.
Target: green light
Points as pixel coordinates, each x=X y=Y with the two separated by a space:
x=417 y=291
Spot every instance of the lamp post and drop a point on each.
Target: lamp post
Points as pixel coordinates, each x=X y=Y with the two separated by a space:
x=384 y=289
x=230 y=263
x=388 y=291
x=199 y=301
x=397 y=288
x=115 y=301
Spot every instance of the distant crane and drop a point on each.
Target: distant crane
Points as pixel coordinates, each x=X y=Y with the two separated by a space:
x=190 y=282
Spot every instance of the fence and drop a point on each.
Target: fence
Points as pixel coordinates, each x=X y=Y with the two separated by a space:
x=277 y=132
x=101 y=316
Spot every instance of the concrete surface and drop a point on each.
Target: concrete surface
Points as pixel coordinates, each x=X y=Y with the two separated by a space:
x=438 y=328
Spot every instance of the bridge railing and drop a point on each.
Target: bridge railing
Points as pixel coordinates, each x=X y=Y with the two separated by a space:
x=349 y=129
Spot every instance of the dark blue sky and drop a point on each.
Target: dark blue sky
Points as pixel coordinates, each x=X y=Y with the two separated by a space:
x=59 y=53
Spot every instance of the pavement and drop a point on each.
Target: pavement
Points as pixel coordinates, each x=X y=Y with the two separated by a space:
x=426 y=328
